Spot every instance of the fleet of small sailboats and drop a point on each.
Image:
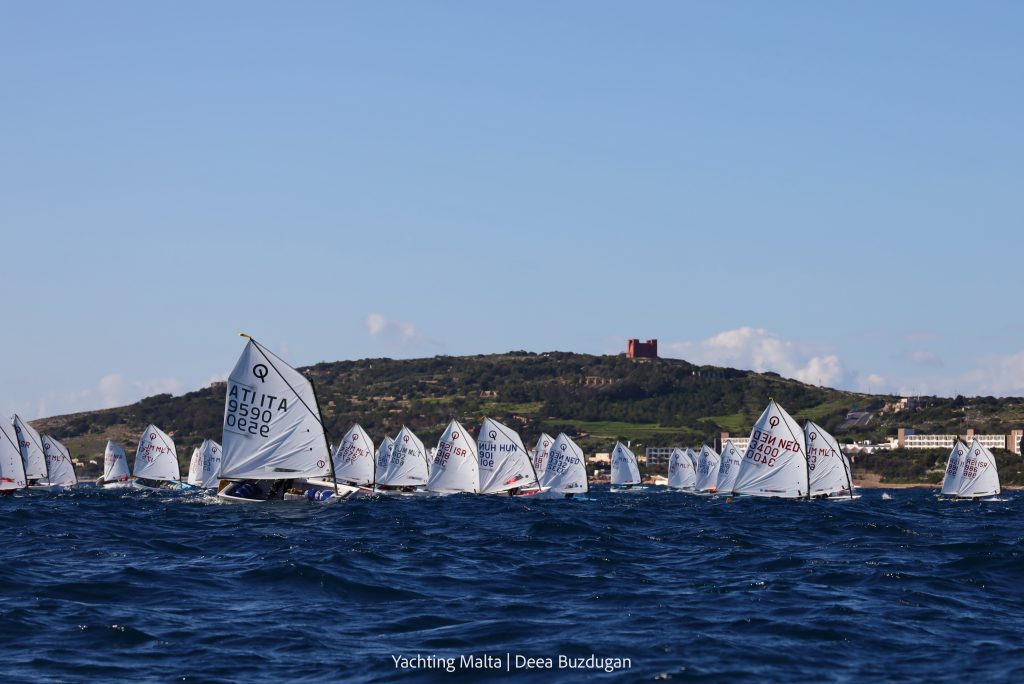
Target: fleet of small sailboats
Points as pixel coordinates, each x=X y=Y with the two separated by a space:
x=275 y=446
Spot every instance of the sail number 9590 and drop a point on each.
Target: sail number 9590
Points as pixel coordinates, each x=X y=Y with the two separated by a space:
x=247 y=419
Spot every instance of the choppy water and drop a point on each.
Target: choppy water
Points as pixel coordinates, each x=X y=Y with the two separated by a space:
x=99 y=585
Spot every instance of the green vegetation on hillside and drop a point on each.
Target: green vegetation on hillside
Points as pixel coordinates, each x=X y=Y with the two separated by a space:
x=596 y=399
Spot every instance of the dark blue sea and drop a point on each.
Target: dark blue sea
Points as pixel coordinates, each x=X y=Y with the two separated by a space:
x=125 y=585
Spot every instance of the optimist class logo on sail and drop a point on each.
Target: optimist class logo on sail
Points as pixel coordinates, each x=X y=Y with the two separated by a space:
x=250 y=409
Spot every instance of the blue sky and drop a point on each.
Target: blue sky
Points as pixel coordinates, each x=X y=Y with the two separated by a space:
x=831 y=191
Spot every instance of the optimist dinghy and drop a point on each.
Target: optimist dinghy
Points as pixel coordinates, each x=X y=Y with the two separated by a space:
x=728 y=468
x=829 y=468
x=979 y=478
x=456 y=468
x=60 y=470
x=33 y=459
x=12 y=469
x=204 y=469
x=775 y=464
x=566 y=474
x=708 y=465
x=274 y=439
x=115 y=467
x=681 y=474
x=402 y=467
x=156 y=462
x=625 y=470
x=505 y=465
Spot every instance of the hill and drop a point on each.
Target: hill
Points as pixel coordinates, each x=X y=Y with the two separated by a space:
x=597 y=399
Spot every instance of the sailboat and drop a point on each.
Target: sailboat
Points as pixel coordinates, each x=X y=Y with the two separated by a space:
x=775 y=464
x=60 y=470
x=354 y=459
x=406 y=470
x=540 y=454
x=692 y=455
x=979 y=477
x=566 y=474
x=31 y=447
x=954 y=469
x=505 y=465
x=456 y=466
x=204 y=468
x=729 y=467
x=274 y=439
x=115 y=467
x=708 y=465
x=12 y=468
x=681 y=473
x=625 y=471
x=156 y=462
x=829 y=468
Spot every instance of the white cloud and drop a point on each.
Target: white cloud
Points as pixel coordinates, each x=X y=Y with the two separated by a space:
x=400 y=332
x=996 y=376
x=760 y=350
x=920 y=357
x=110 y=391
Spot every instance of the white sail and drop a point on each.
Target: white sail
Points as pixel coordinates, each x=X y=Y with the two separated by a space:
x=407 y=462
x=540 y=454
x=12 y=468
x=567 y=467
x=625 y=470
x=455 y=467
x=828 y=466
x=272 y=424
x=204 y=469
x=504 y=461
x=708 y=464
x=156 y=458
x=774 y=464
x=115 y=463
x=954 y=469
x=31 y=447
x=681 y=474
x=694 y=461
x=195 y=468
x=729 y=467
x=354 y=457
x=980 y=477
x=58 y=464
x=383 y=457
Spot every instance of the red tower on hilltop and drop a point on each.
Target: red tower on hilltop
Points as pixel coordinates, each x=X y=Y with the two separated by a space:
x=636 y=349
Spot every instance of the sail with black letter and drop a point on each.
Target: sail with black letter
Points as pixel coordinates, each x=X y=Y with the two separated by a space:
x=204 y=469
x=681 y=474
x=708 y=464
x=156 y=458
x=828 y=466
x=980 y=477
x=729 y=467
x=504 y=462
x=354 y=457
x=61 y=471
x=31 y=447
x=694 y=461
x=775 y=464
x=12 y=468
x=272 y=424
x=115 y=464
x=406 y=462
x=954 y=469
x=625 y=470
x=541 y=451
x=455 y=467
x=567 y=467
